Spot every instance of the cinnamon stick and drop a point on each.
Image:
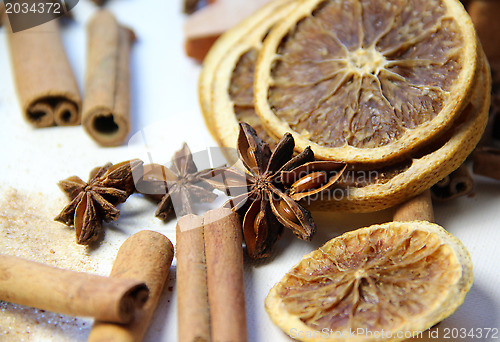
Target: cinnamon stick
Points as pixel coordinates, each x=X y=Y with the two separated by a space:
x=202 y=28
x=193 y=315
x=190 y=6
x=145 y=256
x=99 y=2
x=72 y=293
x=226 y=287
x=417 y=208
x=2 y=13
x=458 y=183
x=46 y=85
x=487 y=162
x=106 y=106
x=484 y=15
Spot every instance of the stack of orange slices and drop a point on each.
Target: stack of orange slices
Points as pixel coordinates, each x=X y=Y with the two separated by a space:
x=397 y=89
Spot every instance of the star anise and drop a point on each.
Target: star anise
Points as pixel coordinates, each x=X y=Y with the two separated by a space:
x=270 y=190
x=176 y=188
x=96 y=200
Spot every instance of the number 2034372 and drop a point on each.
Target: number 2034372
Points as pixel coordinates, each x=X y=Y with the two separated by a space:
x=465 y=333
x=39 y=8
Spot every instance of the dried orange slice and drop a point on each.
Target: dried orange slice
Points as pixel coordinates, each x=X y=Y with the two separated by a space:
x=366 y=81
x=225 y=95
x=226 y=90
x=365 y=189
x=381 y=283
x=368 y=189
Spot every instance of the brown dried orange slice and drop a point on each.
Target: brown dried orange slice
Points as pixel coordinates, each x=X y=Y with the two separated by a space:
x=366 y=80
x=367 y=189
x=364 y=188
x=381 y=283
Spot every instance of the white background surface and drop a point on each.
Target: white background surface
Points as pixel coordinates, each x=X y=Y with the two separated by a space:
x=165 y=108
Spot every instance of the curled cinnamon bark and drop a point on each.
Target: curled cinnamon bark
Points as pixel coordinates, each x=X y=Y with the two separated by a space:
x=106 y=106
x=72 y=293
x=145 y=256
x=46 y=85
x=458 y=183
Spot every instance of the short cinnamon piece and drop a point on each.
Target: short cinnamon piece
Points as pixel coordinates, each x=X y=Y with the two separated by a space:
x=226 y=287
x=46 y=85
x=417 y=208
x=487 y=162
x=202 y=28
x=145 y=256
x=193 y=314
x=72 y=293
x=106 y=106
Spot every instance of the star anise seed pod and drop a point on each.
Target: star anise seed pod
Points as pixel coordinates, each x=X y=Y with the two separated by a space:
x=178 y=188
x=95 y=201
x=264 y=203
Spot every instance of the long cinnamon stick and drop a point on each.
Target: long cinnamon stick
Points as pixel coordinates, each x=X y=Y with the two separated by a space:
x=72 y=293
x=417 y=208
x=226 y=287
x=46 y=85
x=106 y=106
x=145 y=256
x=193 y=315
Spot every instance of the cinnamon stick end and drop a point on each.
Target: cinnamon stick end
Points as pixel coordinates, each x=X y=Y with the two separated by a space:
x=134 y=299
x=219 y=214
x=66 y=114
x=40 y=114
x=106 y=128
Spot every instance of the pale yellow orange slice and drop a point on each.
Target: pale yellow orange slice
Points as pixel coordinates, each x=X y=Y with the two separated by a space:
x=240 y=45
x=382 y=283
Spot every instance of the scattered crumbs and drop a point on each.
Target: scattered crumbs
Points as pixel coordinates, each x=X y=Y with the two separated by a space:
x=27 y=230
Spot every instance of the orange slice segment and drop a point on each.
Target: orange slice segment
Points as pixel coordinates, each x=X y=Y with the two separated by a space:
x=366 y=81
x=368 y=189
x=389 y=281
x=217 y=75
